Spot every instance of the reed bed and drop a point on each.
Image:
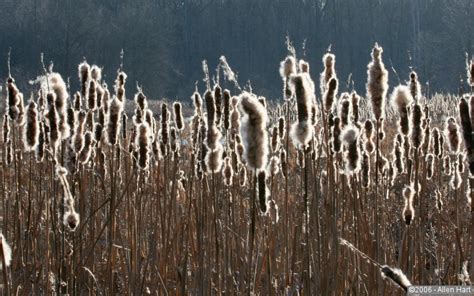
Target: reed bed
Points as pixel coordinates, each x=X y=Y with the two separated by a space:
x=322 y=192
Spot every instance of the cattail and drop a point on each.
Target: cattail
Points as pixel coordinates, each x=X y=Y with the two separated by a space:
x=227 y=172
x=415 y=88
x=336 y=132
x=426 y=136
x=466 y=124
x=441 y=146
x=447 y=165
x=31 y=131
x=12 y=99
x=53 y=121
x=113 y=120
x=96 y=73
x=21 y=110
x=396 y=275
x=281 y=127
x=85 y=152
x=6 y=128
x=197 y=101
x=84 y=73
x=254 y=131
x=302 y=131
x=274 y=165
x=213 y=159
x=303 y=66
x=143 y=144
x=58 y=86
x=98 y=128
x=435 y=142
x=41 y=101
x=124 y=125
x=100 y=96
x=329 y=71
x=416 y=132
x=401 y=99
x=138 y=116
x=6 y=250
x=39 y=151
x=365 y=170
x=398 y=154
x=460 y=163
x=456 y=178
x=452 y=134
x=355 y=108
x=9 y=152
x=70 y=120
x=141 y=100
x=275 y=139
x=106 y=98
x=150 y=120
x=227 y=109
x=70 y=218
x=429 y=166
x=283 y=161
x=377 y=83
x=344 y=109
x=369 y=138
x=92 y=96
x=210 y=107
x=218 y=102
x=408 y=210
x=90 y=120
x=121 y=79
x=77 y=101
x=235 y=117
x=178 y=116
x=349 y=138
x=262 y=191
x=330 y=93
x=78 y=137
x=242 y=176
x=174 y=140
x=287 y=68
x=164 y=124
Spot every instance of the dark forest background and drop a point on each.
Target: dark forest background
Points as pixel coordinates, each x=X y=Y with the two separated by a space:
x=166 y=40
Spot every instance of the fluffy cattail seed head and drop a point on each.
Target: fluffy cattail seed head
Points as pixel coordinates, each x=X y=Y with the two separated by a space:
x=253 y=130
x=143 y=144
x=329 y=72
x=408 y=210
x=302 y=131
x=178 y=116
x=227 y=109
x=377 y=83
x=96 y=73
x=349 y=137
x=92 y=96
x=452 y=134
x=31 y=130
x=415 y=88
x=416 y=130
x=84 y=73
x=396 y=275
x=401 y=99
x=113 y=120
x=262 y=191
x=330 y=93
